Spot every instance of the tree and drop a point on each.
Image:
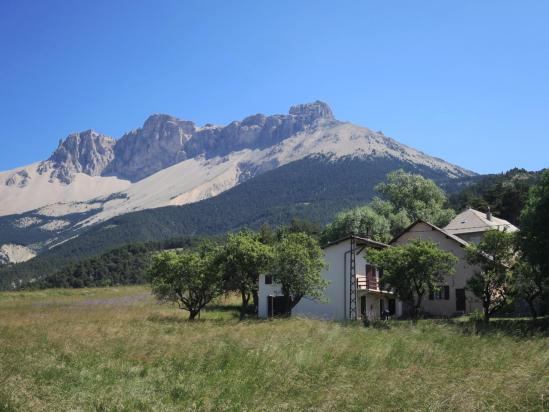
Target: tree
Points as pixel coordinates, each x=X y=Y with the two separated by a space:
x=416 y=196
x=242 y=259
x=529 y=283
x=505 y=193
x=412 y=269
x=534 y=220
x=406 y=197
x=361 y=221
x=297 y=264
x=494 y=257
x=189 y=279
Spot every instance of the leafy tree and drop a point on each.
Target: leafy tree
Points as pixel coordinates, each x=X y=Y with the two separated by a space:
x=416 y=197
x=505 y=193
x=406 y=197
x=494 y=257
x=242 y=259
x=412 y=269
x=297 y=264
x=362 y=221
x=267 y=235
x=534 y=234
x=188 y=279
x=529 y=283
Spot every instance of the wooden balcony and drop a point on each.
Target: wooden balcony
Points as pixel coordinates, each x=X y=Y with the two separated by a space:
x=367 y=283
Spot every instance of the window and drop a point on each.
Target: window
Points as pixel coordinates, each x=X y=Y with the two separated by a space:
x=443 y=293
x=268 y=279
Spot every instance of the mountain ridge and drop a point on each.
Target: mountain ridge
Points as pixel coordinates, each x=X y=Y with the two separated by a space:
x=91 y=177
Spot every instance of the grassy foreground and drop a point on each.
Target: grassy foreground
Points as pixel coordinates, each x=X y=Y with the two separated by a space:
x=116 y=349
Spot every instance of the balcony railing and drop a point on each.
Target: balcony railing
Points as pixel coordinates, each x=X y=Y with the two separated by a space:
x=367 y=283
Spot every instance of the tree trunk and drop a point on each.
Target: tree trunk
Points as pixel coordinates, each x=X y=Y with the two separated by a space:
x=245 y=299
x=486 y=313
x=255 y=297
x=486 y=301
x=417 y=306
x=288 y=306
x=192 y=314
x=532 y=304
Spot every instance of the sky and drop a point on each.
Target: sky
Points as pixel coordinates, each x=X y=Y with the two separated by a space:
x=466 y=81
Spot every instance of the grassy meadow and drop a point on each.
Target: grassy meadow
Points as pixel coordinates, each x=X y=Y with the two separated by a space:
x=117 y=349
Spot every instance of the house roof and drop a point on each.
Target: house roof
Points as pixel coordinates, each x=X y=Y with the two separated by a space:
x=360 y=241
x=472 y=221
x=448 y=235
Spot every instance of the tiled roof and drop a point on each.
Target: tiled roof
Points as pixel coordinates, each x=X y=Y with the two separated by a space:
x=433 y=227
x=471 y=221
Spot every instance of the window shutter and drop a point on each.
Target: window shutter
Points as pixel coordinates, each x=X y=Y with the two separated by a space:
x=447 y=292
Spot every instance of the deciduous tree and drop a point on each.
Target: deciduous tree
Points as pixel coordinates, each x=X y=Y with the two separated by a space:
x=189 y=279
x=412 y=269
x=297 y=264
x=416 y=196
x=361 y=221
x=529 y=283
x=534 y=233
x=494 y=257
x=241 y=260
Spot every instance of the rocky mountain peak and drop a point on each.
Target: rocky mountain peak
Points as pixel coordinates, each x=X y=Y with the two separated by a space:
x=84 y=152
x=162 y=122
x=165 y=140
x=159 y=143
x=313 y=111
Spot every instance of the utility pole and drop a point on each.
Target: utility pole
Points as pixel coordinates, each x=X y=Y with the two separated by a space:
x=352 y=281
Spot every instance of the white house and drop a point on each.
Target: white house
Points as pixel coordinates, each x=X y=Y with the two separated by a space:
x=353 y=290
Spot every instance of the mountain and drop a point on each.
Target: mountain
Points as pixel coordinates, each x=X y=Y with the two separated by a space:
x=91 y=179
x=314 y=188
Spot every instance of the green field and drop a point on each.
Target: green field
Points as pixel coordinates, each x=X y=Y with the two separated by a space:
x=117 y=349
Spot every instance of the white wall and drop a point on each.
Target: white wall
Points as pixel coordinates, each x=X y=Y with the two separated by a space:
x=457 y=281
x=336 y=302
x=333 y=305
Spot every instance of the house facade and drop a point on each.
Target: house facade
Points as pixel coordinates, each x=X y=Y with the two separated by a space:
x=452 y=298
x=353 y=292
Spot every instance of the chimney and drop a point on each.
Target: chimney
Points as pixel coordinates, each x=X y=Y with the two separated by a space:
x=489 y=214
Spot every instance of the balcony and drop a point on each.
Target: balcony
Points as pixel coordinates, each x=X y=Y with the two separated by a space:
x=367 y=282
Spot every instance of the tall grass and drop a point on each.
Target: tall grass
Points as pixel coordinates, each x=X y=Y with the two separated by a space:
x=116 y=349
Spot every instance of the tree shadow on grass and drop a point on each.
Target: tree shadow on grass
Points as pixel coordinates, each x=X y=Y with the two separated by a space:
x=227 y=312
x=222 y=308
x=519 y=328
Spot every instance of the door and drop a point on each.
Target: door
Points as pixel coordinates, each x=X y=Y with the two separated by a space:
x=382 y=308
x=363 y=306
x=392 y=306
x=277 y=306
x=460 y=300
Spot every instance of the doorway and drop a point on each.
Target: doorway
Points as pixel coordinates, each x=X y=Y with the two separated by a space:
x=392 y=307
x=276 y=306
x=460 y=300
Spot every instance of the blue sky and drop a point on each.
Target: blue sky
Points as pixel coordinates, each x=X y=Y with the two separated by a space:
x=467 y=81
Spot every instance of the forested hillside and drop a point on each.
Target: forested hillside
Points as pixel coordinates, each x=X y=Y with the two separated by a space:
x=314 y=188
x=504 y=193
